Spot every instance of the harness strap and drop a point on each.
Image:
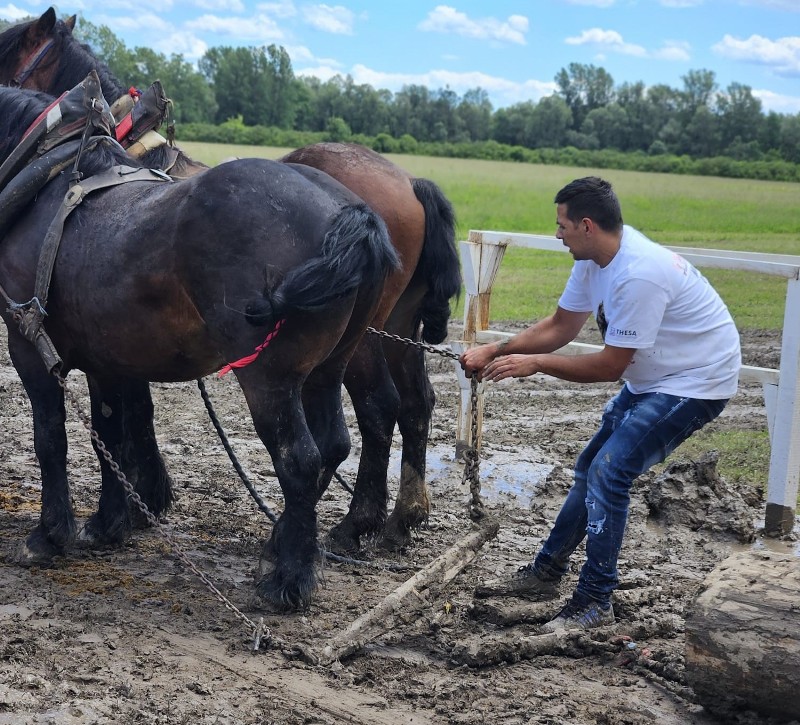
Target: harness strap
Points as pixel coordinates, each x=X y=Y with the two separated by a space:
x=32 y=62
x=31 y=318
x=77 y=193
x=45 y=122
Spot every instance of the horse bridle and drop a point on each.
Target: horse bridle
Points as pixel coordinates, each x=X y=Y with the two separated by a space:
x=31 y=63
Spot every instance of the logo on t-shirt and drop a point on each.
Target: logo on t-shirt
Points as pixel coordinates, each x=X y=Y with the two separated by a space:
x=617 y=332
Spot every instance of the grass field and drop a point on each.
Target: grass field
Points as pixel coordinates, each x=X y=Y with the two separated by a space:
x=692 y=211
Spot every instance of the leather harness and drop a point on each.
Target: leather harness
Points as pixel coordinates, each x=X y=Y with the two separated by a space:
x=51 y=158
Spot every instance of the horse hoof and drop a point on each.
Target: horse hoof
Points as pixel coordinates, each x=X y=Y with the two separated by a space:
x=341 y=541
x=95 y=535
x=273 y=595
x=394 y=542
x=36 y=551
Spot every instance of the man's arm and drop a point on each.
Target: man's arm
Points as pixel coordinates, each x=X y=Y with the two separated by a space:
x=544 y=336
x=607 y=365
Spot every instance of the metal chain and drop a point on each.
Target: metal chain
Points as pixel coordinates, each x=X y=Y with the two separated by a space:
x=436 y=349
x=471 y=457
x=257 y=629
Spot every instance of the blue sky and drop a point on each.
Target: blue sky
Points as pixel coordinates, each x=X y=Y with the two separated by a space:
x=510 y=48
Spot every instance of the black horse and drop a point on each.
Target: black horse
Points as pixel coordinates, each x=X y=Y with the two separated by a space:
x=168 y=281
x=387 y=381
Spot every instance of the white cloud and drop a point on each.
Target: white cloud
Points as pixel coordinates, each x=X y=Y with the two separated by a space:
x=779 y=103
x=502 y=91
x=445 y=19
x=282 y=9
x=259 y=28
x=782 y=55
x=120 y=23
x=790 y=5
x=607 y=39
x=330 y=19
x=673 y=50
x=610 y=41
x=132 y=6
x=681 y=3
x=593 y=3
x=231 y=6
x=185 y=44
x=13 y=13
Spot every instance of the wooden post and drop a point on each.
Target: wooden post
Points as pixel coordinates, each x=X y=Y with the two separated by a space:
x=784 y=463
x=479 y=263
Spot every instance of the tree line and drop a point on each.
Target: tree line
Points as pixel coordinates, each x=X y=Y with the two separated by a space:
x=241 y=88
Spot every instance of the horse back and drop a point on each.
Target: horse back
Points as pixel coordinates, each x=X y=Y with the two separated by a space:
x=386 y=189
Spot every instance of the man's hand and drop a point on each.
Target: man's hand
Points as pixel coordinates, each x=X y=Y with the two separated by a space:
x=474 y=360
x=511 y=366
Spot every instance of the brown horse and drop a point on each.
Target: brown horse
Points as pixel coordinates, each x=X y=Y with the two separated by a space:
x=155 y=280
x=387 y=381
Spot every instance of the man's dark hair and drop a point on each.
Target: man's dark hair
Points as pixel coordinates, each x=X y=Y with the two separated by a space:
x=594 y=198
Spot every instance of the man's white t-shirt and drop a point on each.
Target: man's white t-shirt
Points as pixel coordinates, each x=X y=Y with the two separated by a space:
x=653 y=300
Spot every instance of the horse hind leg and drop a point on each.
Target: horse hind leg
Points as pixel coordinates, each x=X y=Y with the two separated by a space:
x=117 y=419
x=55 y=532
x=141 y=459
x=288 y=574
x=417 y=399
x=375 y=402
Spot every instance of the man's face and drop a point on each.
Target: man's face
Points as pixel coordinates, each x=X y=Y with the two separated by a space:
x=573 y=235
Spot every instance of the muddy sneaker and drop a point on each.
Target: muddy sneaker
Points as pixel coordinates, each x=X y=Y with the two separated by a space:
x=524 y=582
x=577 y=615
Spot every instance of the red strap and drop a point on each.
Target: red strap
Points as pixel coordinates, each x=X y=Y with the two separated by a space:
x=42 y=115
x=242 y=362
x=124 y=127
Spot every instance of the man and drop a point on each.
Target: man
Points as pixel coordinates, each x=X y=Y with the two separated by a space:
x=667 y=333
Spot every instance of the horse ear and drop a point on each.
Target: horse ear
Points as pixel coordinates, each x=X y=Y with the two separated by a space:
x=46 y=23
x=70 y=22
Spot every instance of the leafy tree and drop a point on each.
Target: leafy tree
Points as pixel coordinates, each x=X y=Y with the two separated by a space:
x=790 y=139
x=701 y=135
x=740 y=115
x=511 y=124
x=548 y=123
x=584 y=88
x=698 y=91
x=609 y=125
x=475 y=112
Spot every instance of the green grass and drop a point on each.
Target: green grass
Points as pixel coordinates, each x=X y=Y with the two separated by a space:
x=743 y=454
x=692 y=211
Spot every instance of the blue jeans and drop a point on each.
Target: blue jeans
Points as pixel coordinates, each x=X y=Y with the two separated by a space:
x=636 y=432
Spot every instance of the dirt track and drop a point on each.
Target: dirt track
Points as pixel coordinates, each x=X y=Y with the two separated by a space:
x=132 y=636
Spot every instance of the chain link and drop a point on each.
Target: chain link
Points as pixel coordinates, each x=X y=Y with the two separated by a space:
x=471 y=457
x=257 y=629
x=436 y=349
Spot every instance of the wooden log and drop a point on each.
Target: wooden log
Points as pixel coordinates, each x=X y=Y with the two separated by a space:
x=743 y=636
x=408 y=595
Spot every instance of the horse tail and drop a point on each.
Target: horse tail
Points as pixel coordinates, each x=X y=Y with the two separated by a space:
x=438 y=262
x=356 y=252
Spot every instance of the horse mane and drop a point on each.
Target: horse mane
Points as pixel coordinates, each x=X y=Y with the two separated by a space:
x=19 y=108
x=76 y=59
x=10 y=42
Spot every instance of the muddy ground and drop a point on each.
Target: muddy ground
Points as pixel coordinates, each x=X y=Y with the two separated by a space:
x=132 y=636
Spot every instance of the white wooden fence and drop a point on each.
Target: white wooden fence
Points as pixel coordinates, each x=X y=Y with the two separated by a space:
x=481 y=256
